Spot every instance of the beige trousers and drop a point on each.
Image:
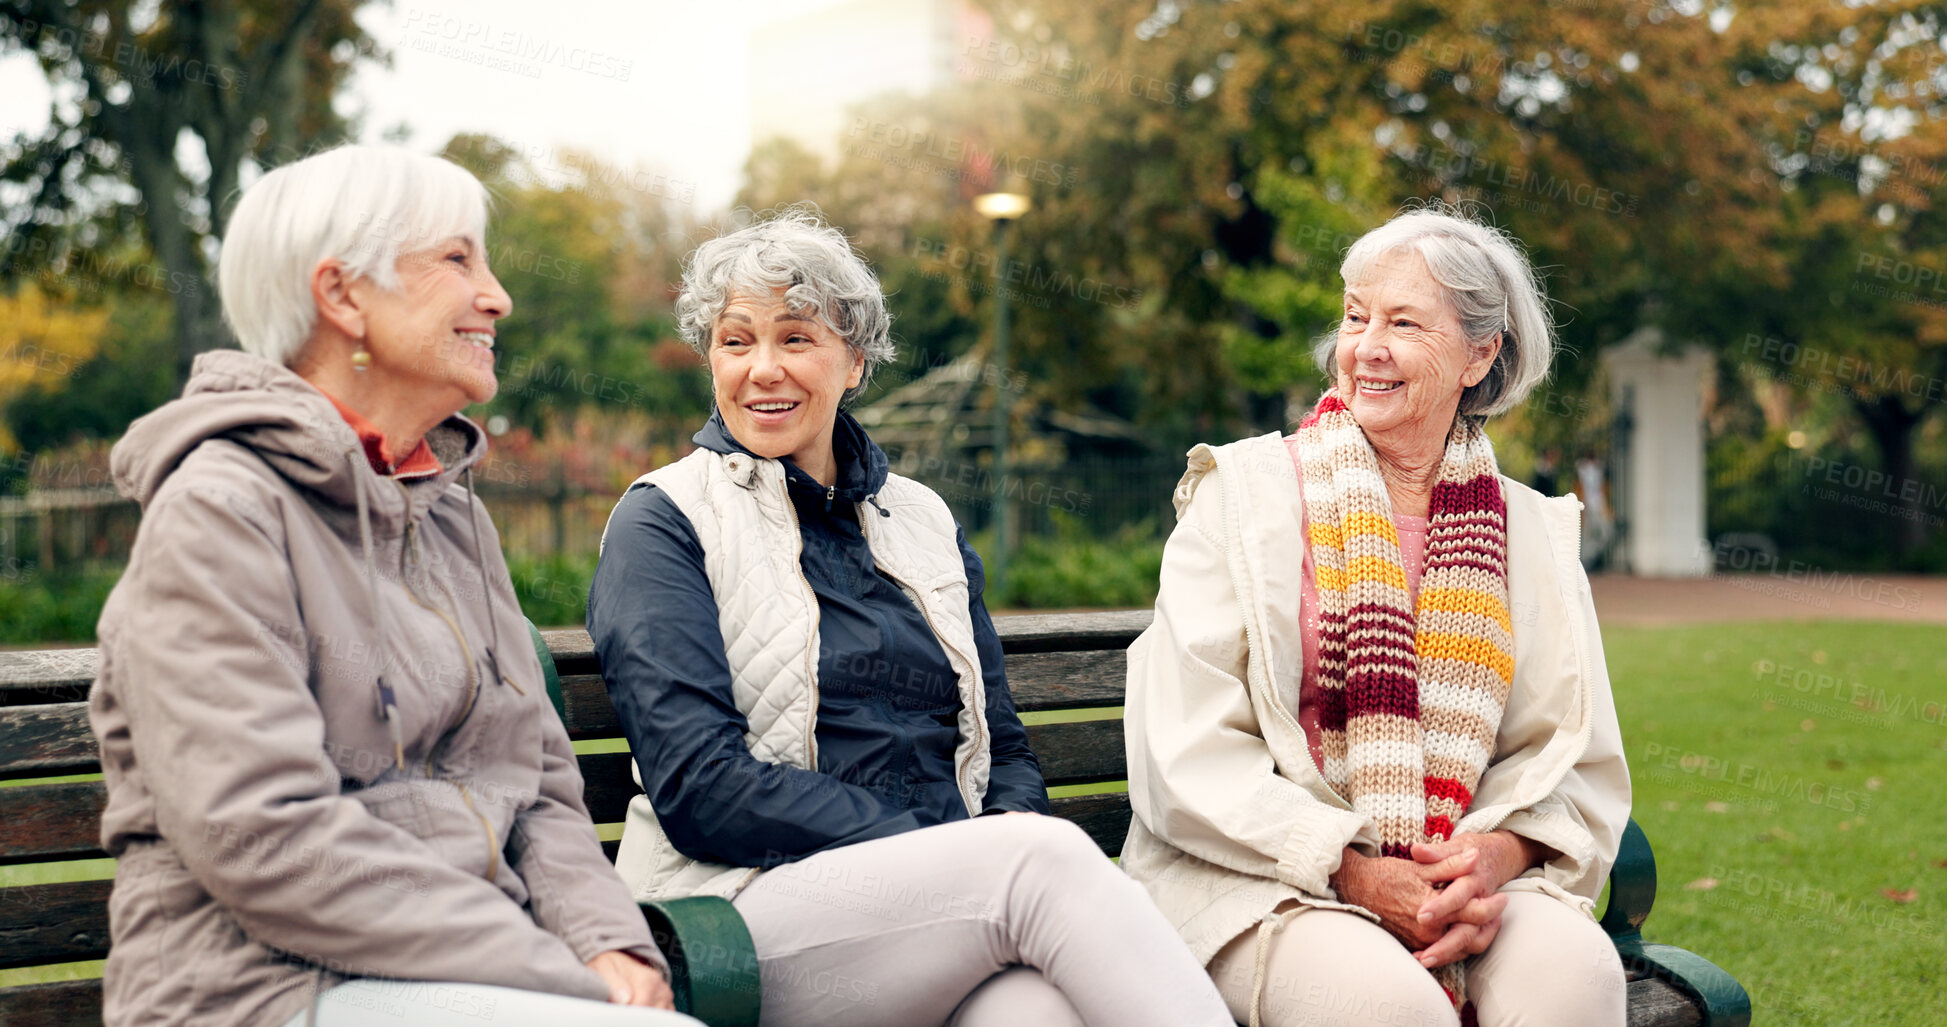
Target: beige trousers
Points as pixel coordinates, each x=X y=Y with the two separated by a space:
x=1550 y=965
x=1000 y=920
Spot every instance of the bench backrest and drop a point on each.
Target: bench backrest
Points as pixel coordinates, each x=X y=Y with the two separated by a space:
x=51 y=793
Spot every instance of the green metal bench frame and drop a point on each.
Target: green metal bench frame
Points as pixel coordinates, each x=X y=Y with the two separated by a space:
x=1632 y=891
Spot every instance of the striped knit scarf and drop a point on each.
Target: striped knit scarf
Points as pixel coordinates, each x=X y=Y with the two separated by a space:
x=1410 y=696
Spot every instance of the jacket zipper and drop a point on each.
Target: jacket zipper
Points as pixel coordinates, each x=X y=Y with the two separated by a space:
x=979 y=709
x=411 y=551
x=811 y=647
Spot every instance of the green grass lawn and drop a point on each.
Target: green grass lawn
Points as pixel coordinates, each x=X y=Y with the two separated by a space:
x=1789 y=777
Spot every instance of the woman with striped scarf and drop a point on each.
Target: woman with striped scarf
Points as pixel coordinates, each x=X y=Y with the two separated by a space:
x=1373 y=755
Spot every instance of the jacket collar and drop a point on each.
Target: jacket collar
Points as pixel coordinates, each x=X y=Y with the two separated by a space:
x=862 y=465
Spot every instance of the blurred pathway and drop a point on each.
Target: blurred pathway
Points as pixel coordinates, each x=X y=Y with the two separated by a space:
x=1802 y=594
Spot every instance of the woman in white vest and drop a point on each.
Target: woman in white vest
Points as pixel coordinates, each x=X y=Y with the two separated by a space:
x=796 y=643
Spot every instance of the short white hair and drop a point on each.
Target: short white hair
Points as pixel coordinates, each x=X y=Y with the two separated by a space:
x=794 y=250
x=363 y=205
x=1490 y=287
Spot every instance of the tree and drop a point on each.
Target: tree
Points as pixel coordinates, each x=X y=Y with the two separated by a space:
x=41 y=340
x=246 y=81
x=586 y=250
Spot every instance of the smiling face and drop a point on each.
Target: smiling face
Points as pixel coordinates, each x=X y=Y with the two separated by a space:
x=778 y=379
x=1402 y=358
x=435 y=333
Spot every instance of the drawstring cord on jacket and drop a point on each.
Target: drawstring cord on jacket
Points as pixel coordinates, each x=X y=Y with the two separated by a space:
x=874 y=500
x=1266 y=930
x=388 y=700
x=480 y=558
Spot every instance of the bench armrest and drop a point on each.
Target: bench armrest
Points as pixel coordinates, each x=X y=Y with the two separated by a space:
x=549 y=675
x=1632 y=892
x=712 y=961
x=1632 y=884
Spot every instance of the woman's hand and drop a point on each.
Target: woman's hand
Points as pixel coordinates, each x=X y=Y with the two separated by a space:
x=632 y=982
x=1466 y=905
x=1501 y=856
x=1396 y=890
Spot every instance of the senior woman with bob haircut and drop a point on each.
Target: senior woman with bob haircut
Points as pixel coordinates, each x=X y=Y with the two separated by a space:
x=336 y=789
x=797 y=646
x=1373 y=755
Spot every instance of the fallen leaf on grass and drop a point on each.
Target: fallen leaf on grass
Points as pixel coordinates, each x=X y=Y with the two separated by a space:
x=1901 y=897
x=1714 y=806
x=1874 y=784
x=1701 y=884
x=1941 y=863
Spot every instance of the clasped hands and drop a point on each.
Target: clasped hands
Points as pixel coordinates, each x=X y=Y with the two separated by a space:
x=1444 y=904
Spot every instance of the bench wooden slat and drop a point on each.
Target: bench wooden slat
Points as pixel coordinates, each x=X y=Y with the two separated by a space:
x=51 y=822
x=1079 y=753
x=1038 y=681
x=607 y=786
x=1657 y=1003
x=59 y=1004
x=1019 y=633
x=1104 y=817
x=53 y=923
x=34 y=677
x=45 y=740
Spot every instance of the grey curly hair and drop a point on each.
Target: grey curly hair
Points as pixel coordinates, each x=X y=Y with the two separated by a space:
x=822 y=276
x=1490 y=286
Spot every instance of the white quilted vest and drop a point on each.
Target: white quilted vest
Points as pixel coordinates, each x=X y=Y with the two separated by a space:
x=769 y=618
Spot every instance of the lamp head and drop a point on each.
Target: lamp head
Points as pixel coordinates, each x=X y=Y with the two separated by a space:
x=1002 y=206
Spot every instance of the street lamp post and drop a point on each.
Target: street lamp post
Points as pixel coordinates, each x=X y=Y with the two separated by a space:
x=1003 y=209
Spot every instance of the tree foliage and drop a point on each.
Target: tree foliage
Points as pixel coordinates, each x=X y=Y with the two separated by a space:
x=157 y=112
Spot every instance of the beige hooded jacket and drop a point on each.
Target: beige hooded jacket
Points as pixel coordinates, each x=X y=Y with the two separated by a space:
x=276 y=829
x=1232 y=817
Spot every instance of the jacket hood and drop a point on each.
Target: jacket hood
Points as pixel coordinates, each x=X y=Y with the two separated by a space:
x=862 y=465
x=277 y=414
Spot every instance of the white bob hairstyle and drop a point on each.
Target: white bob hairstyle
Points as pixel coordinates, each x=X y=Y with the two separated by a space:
x=1490 y=287
x=363 y=205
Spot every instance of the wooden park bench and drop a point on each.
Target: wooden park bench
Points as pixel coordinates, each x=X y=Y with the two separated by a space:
x=1055 y=663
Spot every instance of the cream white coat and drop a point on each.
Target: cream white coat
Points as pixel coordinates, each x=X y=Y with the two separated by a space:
x=1232 y=818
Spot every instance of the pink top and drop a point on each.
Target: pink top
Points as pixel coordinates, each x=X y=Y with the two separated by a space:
x=1412 y=551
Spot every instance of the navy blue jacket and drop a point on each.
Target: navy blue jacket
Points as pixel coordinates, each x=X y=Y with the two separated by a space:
x=887 y=698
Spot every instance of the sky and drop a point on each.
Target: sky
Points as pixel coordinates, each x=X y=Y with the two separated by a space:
x=654 y=85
